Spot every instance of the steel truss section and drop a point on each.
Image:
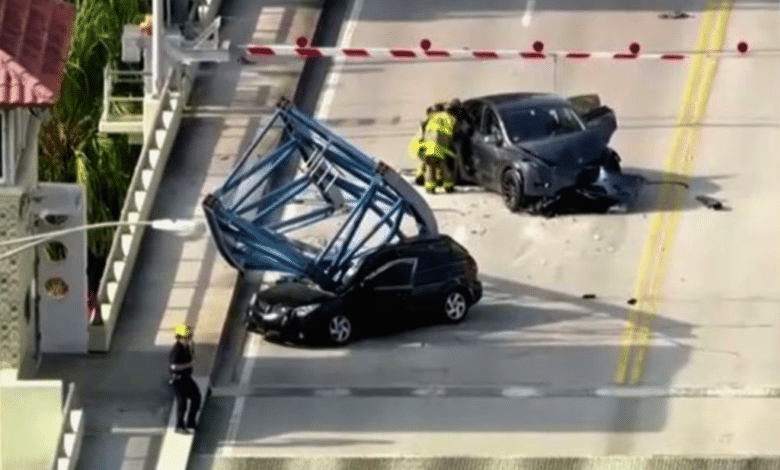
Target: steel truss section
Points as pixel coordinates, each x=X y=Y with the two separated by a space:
x=358 y=204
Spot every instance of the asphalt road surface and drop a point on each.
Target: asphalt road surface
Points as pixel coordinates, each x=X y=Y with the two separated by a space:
x=705 y=282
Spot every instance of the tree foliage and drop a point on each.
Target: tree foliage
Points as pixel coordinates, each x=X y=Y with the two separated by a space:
x=71 y=148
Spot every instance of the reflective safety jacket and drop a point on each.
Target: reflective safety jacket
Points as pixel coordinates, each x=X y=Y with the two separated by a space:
x=438 y=137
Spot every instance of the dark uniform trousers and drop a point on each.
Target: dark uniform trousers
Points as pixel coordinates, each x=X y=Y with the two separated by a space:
x=184 y=387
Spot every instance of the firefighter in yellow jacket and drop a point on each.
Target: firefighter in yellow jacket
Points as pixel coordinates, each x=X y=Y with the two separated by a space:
x=415 y=147
x=434 y=147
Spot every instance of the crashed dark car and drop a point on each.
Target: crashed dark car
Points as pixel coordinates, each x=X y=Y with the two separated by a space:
x=544 y=153
x=425 y=278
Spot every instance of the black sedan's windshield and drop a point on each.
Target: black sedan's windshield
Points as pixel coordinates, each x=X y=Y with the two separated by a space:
x=539 y=121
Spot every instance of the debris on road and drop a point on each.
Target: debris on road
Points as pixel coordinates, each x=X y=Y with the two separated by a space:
x=631 y=301
x=675 y=15
x=711 y=203
x=589 y=296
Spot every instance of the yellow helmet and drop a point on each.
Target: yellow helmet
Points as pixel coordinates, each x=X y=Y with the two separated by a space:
x=183 y=330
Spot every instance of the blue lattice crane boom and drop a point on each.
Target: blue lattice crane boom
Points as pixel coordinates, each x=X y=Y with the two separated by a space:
x=254 y=219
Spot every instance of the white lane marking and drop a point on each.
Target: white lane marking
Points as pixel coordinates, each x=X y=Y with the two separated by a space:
x=333 y=392
x=429 y=392
x=521 y=392
x=638 y=392
x=529 y=8
x=325 y=102
x=510 y=392
x=252 y=350
x=146 y=431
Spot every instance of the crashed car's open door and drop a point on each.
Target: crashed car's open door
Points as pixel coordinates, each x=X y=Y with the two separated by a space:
x=318 y=222
x=595 y=115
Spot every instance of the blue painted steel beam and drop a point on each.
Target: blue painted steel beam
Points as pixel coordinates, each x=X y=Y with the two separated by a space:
x=339 y=174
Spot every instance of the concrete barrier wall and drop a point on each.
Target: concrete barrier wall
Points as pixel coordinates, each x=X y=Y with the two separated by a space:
x=71 y=433
x=30 y=421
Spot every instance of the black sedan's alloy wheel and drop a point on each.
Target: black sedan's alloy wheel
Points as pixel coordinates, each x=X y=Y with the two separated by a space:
x=455 y=306
x=511 y=190
x=339 y=329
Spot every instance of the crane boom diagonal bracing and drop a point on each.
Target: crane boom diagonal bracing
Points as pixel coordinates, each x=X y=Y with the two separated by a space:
x=312 y=206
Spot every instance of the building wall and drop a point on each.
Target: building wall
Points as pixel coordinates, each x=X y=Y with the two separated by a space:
x=30 y=421
x=63 y=320
x=16 y=274
x=19 y=144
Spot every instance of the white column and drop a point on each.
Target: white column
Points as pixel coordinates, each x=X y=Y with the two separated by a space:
x=157 y=49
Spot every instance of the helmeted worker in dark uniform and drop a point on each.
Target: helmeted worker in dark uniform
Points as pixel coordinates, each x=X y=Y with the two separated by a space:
x=180 y=360
x=461 y=134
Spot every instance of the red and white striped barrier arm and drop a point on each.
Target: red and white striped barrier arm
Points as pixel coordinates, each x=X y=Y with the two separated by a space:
x=303 y=50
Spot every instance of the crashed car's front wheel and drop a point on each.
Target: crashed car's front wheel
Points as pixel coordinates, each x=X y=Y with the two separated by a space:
x=339 y=329
x=512 y=190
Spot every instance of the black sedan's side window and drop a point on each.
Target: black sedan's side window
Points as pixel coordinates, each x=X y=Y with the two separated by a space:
x=435 y=265
x=394 y=274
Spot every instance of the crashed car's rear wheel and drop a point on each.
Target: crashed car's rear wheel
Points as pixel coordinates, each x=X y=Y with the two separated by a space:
x=512 y=190
x=455 y=307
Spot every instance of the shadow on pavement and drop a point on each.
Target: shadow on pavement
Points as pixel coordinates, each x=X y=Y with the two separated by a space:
x=648 y=197
x=507 y=308
x=519 y=334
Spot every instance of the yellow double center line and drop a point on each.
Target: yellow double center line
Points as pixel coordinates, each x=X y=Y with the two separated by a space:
x=663 y=226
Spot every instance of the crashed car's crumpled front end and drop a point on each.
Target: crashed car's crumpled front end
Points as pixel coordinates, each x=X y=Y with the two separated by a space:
x=610 y=191
x=595 y=180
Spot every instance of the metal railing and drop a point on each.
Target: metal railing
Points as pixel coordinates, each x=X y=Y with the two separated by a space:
x=122 y=108
x=71 y=434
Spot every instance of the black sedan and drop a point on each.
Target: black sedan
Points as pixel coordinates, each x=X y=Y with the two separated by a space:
x=538 y=149
x=431 y=278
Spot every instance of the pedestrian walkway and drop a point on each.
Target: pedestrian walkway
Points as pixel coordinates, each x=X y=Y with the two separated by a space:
x=126 y=399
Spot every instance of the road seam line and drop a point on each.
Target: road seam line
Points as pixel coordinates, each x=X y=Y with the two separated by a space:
x=494 y=392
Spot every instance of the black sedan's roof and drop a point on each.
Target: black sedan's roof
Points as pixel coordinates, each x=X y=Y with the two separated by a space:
x=506 y=101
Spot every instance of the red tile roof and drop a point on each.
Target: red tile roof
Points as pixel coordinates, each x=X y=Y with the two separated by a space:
x=34 y=44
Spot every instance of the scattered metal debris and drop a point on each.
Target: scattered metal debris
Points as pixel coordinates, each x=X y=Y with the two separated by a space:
x=589 y=296
x=711 y=203
x=675 y=15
